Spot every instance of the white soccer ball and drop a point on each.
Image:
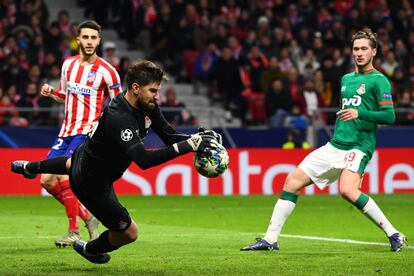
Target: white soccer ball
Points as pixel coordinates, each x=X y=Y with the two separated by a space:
x=212 y=165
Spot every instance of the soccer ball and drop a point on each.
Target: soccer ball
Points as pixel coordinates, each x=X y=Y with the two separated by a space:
x=212 y=165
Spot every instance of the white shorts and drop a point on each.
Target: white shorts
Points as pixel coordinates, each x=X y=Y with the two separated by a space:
x=325 y=164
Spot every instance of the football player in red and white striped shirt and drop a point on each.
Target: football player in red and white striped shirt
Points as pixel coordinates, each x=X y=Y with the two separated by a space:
x=86 y=82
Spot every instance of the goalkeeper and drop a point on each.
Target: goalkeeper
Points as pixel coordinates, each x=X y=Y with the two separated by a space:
x=113 y=143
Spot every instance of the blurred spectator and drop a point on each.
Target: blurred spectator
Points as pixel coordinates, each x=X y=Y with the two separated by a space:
x=405 y=117
x=110 y=55
x=206 y=61
x=296 y=119
x=72 y=37
x=123 y=69
x=269 y=74
x=323 y=89
x=6 y=103
x=400 y=82
x=277 y=103
x=310 y=100
x=390 y=64
x=258 y=63
x=179 y=40
x=12 y=93
x=50 y=60
x=52 y=38
x=63 y=21
x=11 y=72
x=285 y=64
x=175 y=111
x=203 y=32
x=294 y=140
x=65 y=48
x=235 y=46
x=227 y=76
x=308 y=58
x=220 y=37
x=30 y=100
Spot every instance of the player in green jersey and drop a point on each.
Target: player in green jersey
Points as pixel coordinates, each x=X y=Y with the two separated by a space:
x=365 y=102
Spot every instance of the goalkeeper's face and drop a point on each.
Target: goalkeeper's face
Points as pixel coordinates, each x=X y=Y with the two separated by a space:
x=88 y=41
x=363 y=53
x=148 y=95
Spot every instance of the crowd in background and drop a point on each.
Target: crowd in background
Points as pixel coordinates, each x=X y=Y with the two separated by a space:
x=275 y=62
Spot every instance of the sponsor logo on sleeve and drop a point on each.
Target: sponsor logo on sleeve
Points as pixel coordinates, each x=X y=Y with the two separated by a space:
x=387 y=96
x=115 y=86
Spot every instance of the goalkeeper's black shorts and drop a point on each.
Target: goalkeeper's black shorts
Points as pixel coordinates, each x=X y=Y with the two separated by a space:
x=98 y=197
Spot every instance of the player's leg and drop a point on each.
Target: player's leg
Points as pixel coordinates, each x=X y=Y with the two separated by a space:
x=104 y=204
x=282 y=210
x=315 y=168
x=349 y=188
x=91 y=223
x=58 y=186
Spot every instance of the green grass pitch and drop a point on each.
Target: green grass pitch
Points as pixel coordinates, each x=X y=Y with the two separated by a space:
x=203 y=235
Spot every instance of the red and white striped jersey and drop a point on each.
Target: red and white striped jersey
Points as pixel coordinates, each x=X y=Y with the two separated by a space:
x=85 y=89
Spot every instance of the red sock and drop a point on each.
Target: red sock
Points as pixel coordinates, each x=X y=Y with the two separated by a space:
x=83 y=212
x=56 y=192
x=71 y=205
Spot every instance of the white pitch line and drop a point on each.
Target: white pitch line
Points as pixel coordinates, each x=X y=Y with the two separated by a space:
x=337 y=240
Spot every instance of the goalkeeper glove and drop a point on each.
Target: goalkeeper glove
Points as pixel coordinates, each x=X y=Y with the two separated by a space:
x=196 y=142
x=211 y=133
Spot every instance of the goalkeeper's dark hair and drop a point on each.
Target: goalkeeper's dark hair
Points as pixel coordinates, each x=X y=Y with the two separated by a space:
x=89 y=24
x=144 y=72
x=368 y=34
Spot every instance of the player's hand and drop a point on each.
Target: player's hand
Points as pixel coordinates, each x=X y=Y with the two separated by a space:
x=202 y=143
x=196 y=142
x=212 y=133
x=46 y=90
x=347 y=114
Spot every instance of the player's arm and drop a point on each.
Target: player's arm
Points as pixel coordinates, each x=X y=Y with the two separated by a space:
x=384 y=116
x=124 y=135
x=55 y=94
x=164 y=130
x=58 y=95
x=170 y=136
x=113 y=82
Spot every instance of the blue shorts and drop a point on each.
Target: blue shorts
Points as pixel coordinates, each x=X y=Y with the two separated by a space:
x=65 y=146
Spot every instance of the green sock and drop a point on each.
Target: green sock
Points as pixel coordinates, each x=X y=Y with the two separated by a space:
x=361 y=201
x=289 y=196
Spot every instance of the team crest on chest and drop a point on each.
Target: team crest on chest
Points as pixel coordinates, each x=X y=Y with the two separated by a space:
x=361 y=89
x=91 y=76
x=147 y=122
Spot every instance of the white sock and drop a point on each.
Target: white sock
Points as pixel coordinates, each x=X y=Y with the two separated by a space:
x=283 y=209
x=372 y=210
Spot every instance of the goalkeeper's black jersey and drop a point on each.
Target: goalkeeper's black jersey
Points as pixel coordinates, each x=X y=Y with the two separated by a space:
x=117 y=140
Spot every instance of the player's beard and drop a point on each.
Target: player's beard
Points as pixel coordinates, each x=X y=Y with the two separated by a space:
x=147 y=106
x=144 y=105
x=84 y=53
